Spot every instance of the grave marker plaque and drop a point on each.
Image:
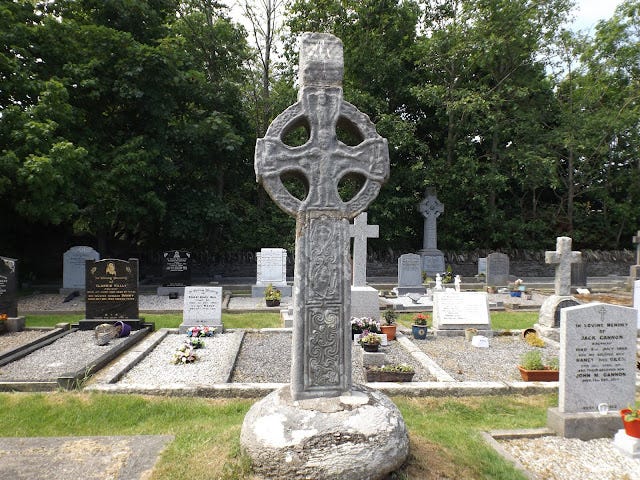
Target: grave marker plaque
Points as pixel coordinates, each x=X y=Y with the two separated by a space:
x=112 y=289
x=9 y=286
x=176 y=268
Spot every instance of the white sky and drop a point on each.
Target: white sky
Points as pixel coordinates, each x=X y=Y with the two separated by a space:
x=588 y=12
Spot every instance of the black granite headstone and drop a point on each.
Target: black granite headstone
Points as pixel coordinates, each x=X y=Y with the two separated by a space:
x=112 y=289
x=176 y=268
x=561 y=305
x=9 y=286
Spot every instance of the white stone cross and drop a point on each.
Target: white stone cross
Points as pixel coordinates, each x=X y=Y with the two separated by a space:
x=636 y=241
x=563 y=257
x=360 y=231
x=430 y=208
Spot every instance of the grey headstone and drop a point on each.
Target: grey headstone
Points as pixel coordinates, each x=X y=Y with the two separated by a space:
x=563 y=257
x=73 y=266
x=598 y=357
x=410 y=274
x=9 y=286
x=202 y=307
x=111 y=289
x=360 y=232
x=579 y=274
x=636 y=298
x=497 y=269
x=482 y=266
x=321 y=364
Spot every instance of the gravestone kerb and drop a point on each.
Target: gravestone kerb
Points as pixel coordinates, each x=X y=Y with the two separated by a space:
x=321 y=364
x=360 y=232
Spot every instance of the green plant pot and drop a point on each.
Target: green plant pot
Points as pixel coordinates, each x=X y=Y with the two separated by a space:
x=419 y=331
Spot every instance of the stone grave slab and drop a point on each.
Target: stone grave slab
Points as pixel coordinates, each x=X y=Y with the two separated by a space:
x=364 y=302
x=111 y=292
x=410 y=274
x=597 y=366
x=73 y=267
x=176 y=272
x=202 y=307
x=454 y=311
x=497 y=269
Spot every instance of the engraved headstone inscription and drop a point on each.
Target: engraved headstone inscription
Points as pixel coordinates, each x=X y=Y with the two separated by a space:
x=321 y=363
x=410 y=274
x=497 y=269
x=176 y=268
x=112 y=289
x=202 y=307
x=9 y=286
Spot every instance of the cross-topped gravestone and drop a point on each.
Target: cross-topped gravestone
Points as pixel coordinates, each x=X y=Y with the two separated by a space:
x=636 y=241
x=321 y=363
x=360 y=231
x=563 y=257
x=430 y=208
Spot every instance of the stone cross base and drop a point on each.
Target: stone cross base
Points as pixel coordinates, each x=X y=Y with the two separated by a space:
x=585 y=426
x=550 y=333
x=432 y=261
x=361 y=436
x=364 y=302
x=550 y=309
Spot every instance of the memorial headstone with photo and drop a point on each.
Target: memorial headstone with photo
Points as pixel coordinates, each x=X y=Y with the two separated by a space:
x=271 y=269
x=597 y=370
x=497 y=269
x=453 y=312
x=111 y=291
x=202 y=308
x=410 y=274
x=176 y=272
x=73 y=267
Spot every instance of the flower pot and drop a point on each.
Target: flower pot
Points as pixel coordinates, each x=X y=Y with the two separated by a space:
x=377 y=376
x=419 y=331
x=515 y=294
x=389 y=330
x=631 y=428
x=469 y=333
x=125 y=329
x=272 y=303
x=539 y=375
x=368 y=347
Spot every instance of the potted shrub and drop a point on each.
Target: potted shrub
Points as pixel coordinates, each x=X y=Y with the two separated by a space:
x=389 y=373
x=419 y=327
x=370 y=342
x=389 y=327
x=272 y=296
x=631 y=420
x=362 y=324
x=533 y=369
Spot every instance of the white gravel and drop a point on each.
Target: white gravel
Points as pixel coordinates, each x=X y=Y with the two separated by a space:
x=13 y=340
x=68 y=354
x=555 y=458
x=213 y=364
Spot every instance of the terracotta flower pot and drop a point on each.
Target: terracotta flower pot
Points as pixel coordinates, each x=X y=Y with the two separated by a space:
x=539 y=375
x=389 y=330
x=632 y=428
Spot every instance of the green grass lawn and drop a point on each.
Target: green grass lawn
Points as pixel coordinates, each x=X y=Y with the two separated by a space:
x=499 y=320
x=444 y=432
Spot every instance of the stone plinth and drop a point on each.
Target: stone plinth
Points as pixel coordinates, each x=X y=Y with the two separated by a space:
x=360 y=436
x=549 y=317
x=364 y=302
x=585 y=426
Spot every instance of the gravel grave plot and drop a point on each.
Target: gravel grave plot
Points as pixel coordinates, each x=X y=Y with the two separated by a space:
x=265 y=357
x=68 y=354
x=211 y=366
x=13 y=340
x=555 y=458
x=465 y=362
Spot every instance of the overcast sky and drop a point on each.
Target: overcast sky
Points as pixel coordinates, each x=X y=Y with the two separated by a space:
x=588 y=12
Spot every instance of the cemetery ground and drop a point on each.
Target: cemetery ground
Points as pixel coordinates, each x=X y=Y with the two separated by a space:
x=445 y=432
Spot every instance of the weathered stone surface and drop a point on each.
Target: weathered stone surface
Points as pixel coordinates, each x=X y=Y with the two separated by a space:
x=361 y=436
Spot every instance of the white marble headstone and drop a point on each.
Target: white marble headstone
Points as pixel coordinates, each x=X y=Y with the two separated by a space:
x=636 y=298
x=597 y=357
x=272 y=267
x=202 y=306
x=459 y=310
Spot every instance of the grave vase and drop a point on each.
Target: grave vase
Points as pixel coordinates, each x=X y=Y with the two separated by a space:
x=389 y=330
x=419 y=331
x=631 y=428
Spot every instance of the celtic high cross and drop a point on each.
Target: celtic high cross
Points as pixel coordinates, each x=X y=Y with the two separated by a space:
x=321 y=357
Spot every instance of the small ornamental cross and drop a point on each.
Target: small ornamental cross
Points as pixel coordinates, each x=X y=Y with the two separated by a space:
x=360 y=232
x=636 y=241
x=321 y=353
x=563 y=257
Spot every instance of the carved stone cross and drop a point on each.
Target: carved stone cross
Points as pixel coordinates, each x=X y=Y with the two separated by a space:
x=636 y=241
x=321 y=363
x=430 y=208
x=563 y=257
x=360 y=231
